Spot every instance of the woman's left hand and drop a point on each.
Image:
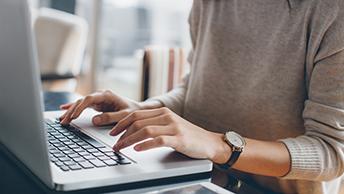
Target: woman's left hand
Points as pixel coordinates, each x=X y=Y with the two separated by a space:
x=163 y=128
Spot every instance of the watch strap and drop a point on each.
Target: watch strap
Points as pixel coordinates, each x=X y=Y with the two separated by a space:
x=232 y=159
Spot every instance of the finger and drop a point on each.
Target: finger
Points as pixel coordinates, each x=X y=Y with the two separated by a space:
x=109 y=118
x=65 y=113
x=67 y=118
x=161 y=141
x=69 y=105
x=66 y=106
x=85 y=103
x=135 y=116
x=144 y=133
x=138 y=125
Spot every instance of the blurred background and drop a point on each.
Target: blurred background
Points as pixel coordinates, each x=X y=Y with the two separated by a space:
x=90 y=45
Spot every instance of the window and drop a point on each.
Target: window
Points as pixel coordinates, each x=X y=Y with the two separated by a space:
x=120 y=29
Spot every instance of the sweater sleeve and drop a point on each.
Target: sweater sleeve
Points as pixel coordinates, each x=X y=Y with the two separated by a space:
x=174 y=99
x=318 y=154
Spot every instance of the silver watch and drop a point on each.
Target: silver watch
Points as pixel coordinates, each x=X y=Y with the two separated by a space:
x=237 y=143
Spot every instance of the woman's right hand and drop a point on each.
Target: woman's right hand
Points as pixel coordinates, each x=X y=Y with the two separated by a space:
x=112 y=106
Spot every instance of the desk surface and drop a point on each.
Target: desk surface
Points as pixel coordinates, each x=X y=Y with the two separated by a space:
x=14 y=180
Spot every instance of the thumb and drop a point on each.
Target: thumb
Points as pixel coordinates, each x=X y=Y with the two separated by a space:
x=109 y=117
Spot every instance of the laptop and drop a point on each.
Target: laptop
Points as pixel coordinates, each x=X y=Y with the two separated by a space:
x=69 y=158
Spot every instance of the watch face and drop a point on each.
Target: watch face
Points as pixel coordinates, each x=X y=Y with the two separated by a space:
x=235 y=139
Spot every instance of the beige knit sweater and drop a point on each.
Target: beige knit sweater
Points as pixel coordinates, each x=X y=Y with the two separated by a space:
x=271 y=70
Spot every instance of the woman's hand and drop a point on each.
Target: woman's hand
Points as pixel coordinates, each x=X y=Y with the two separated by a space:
x=163 y=128
x=114 y=108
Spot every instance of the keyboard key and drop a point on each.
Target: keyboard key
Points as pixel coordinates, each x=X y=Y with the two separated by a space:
x=98 y=163
x=58 y=144
x=58 y=135
x=95 y=143
x=64 y=148
x=98 y=154
x=90 y=157
x=79 y=150
x=83 y=144
x=65 y=159
x=64 y=168
x=90 y=140
x=65 y=132
x=75 y=167
x=58 y=163
x=53 y=141
x=58 y=155
x=53 y=133
x=71 y=128
x=53 y=159
x=111 y=154
x=73 y=145
x=93 y=150
x=86 y=165
x=70 y=136
x=79 y=159
x=55 y=125
x=69 y=152
x=64 y=139
x=105 y=150
x=119 y=156
x=75 y=155
x=84 y=154
x=110 y=162
x=104 y=158
x=55 y=151
x=70 y=144
x=69 y=163
x=88 y=147
x=51 y=147
x=123 y=162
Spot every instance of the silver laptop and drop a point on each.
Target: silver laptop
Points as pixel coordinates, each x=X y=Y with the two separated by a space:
x=65 y=158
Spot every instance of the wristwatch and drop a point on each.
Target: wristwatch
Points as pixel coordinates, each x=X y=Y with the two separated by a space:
x=237 y=143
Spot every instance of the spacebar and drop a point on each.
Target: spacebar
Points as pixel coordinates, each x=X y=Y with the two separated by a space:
x=90 y=140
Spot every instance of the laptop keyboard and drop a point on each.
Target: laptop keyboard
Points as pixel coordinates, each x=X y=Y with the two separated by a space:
x=71 y=150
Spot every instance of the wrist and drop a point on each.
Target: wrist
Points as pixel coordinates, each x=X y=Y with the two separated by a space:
x=222 y=151
x=150 y=104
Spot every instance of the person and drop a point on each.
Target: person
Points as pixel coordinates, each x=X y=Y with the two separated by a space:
x=270 y=70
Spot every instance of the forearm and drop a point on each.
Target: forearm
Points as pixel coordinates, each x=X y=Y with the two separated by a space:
x=262 y=158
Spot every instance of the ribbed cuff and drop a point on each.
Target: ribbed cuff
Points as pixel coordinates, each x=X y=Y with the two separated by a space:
x=305 y=158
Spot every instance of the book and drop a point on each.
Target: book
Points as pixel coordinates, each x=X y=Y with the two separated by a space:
x=163 y=68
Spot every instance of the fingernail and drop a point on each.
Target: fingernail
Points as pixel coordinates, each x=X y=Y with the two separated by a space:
x=137 y=148
x=64 y=122
x=97 y=120
x=112 y=132
x=115 y=148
